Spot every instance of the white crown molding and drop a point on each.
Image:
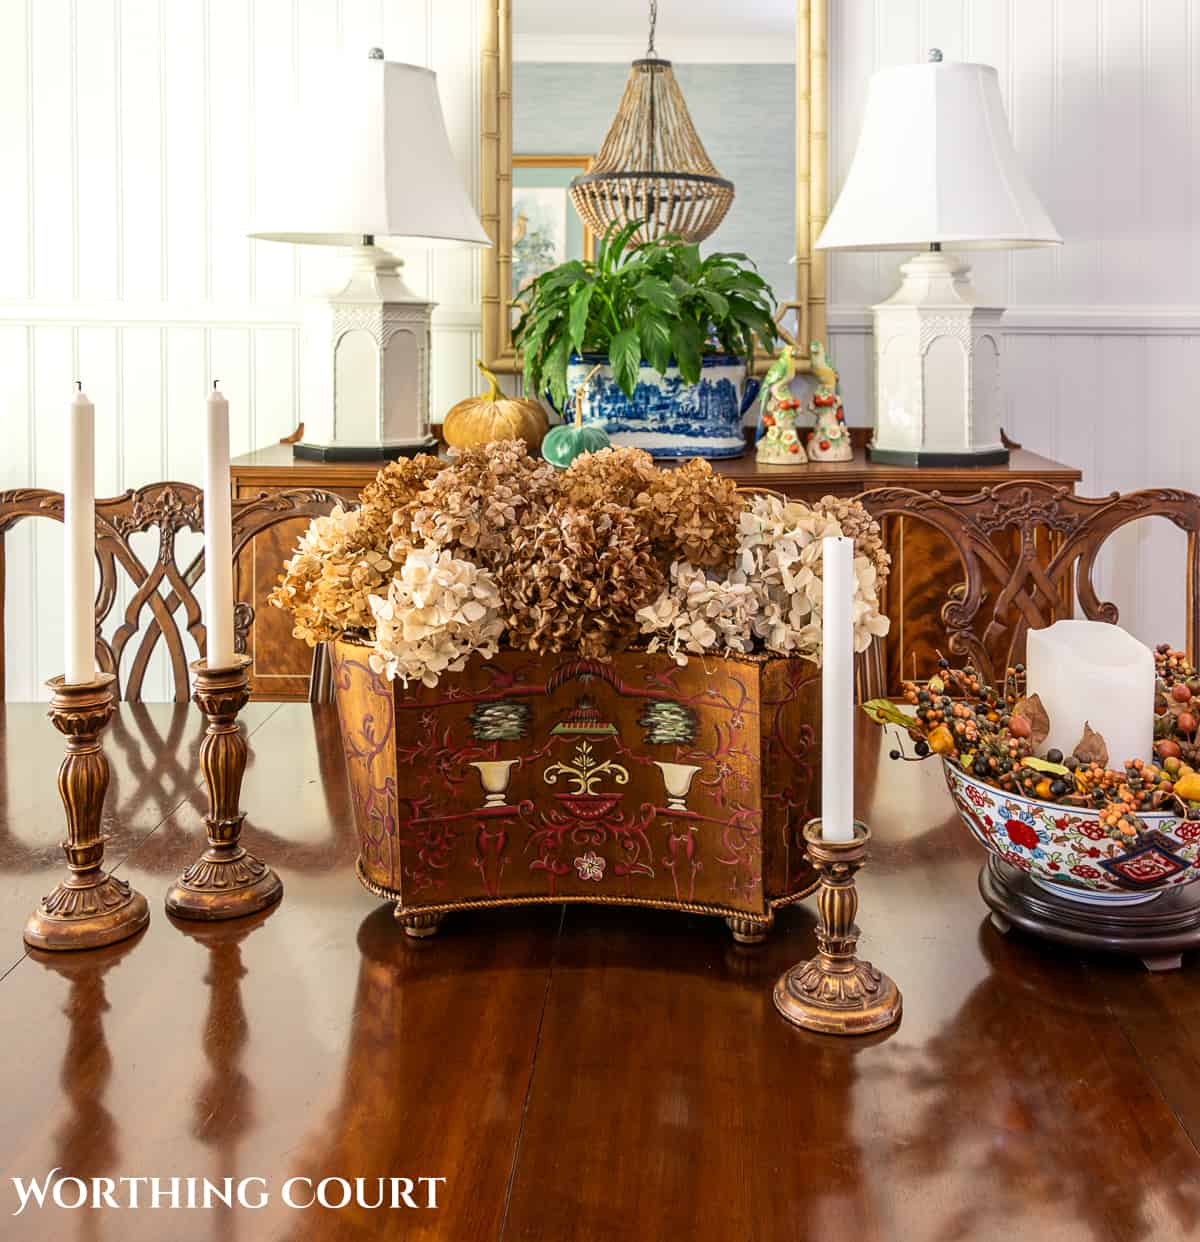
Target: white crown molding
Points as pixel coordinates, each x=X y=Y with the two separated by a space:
x=731 y=49
x=1060 y=321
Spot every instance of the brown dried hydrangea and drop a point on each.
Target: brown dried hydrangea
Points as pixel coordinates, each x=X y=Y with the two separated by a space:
x=326 y=584
x=859 y=525
x=474 y=506
x=575 y=580
x=692 y=514
x=615 y=475
x=396 y=485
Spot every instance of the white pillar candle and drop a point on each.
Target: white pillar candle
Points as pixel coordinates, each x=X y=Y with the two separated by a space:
x=79 y=536
x=837 y=689
x=218 y=535
x=1094 y=672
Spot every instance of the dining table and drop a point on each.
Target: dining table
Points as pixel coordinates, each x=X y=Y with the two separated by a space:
x=572 y=1072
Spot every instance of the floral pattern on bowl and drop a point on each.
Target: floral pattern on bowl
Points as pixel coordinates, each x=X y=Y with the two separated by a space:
x=1066 y=850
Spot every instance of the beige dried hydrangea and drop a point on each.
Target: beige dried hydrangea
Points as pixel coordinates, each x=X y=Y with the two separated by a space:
x=576 y=579
x=437 y=611
x=395 y=486
x=692 y=514
x=771 y=598
x=326 y=583
x=474 y=506
x=857 y=524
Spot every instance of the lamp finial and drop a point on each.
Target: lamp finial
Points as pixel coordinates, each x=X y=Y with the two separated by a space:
x=376 y=53
x=935 y=55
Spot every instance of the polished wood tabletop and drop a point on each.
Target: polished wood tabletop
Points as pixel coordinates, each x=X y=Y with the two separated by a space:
x=574 y=1074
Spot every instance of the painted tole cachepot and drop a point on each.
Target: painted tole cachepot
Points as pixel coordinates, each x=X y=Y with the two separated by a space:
x=532 y=778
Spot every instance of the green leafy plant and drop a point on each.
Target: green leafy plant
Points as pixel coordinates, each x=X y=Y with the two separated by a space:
x=657 y=300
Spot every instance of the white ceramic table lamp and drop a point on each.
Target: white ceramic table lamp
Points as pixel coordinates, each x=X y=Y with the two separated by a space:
x=935 y=166
x=367 y=157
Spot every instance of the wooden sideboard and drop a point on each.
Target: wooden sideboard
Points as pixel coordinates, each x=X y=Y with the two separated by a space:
x=925 y=567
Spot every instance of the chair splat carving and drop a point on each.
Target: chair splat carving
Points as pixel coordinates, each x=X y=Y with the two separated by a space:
x=1047 y=568
x=164 y=604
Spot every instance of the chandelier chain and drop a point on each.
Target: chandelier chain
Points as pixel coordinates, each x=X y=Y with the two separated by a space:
x=650 y=48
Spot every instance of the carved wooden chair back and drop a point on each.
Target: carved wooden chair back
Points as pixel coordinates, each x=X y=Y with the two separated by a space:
x=1028 y=551
x=164 y=604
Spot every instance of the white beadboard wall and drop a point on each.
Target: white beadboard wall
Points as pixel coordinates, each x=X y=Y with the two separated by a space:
x=128 y=133
x=1103 y=338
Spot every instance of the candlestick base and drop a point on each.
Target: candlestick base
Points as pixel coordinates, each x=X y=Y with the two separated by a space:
x=226 y=881
x=835 y=992
x=90 y=908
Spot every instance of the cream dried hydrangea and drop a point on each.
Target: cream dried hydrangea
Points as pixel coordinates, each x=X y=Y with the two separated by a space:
x=437 y=611
x=326 y=583
x=770 y=599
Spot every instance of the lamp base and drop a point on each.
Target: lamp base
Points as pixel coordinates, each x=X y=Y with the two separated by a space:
x=926 y=457
x=306 y=451
x=366 y=366
x=938 y=395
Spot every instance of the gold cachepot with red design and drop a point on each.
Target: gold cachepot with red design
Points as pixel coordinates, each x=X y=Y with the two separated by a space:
x=555 y=778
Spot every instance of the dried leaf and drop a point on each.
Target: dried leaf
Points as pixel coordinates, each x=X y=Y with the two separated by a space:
x=884 y=711
x=1091 y=748
x=1044 y=765
x=1039 y=723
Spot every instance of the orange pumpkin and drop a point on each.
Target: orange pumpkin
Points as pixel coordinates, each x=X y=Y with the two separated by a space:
x=493 y=416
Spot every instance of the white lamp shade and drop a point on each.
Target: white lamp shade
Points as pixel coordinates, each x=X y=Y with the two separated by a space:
x=935 y=162
x=367 y=154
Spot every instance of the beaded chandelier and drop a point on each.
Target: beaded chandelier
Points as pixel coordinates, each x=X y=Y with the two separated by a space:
x=652 y=165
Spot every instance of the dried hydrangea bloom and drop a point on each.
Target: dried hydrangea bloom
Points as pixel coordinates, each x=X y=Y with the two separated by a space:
x=691 y=514
x=394 y=487
x=437 y=611
x=616 y=475
x=857 y=524
x=326 y=583
x=772 y=597
x=474 y=505
x=576 y=579
x=702 y=612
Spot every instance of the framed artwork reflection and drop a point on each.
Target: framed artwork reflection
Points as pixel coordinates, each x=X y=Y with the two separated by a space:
x=546 y=229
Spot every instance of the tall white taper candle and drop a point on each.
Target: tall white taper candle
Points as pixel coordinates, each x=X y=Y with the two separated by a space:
x=79 y=535
x=837 y=689
x=218 y=535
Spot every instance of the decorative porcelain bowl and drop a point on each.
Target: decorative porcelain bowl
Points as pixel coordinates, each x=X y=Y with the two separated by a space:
x=1066 y=851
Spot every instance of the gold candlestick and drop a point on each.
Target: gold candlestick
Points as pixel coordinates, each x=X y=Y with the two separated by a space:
x=227 y=881
x=89 y=908
x=836 y=993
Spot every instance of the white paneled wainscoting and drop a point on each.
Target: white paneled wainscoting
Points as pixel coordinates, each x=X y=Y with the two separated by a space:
x=1102 y=337
x=128 y=136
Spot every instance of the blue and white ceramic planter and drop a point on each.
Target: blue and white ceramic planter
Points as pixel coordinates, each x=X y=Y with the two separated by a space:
x=665 y=416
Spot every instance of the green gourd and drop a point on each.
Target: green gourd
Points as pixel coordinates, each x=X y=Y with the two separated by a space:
x=564 y=443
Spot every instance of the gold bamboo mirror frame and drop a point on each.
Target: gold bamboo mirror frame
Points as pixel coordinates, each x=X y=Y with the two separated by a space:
x=804 y=311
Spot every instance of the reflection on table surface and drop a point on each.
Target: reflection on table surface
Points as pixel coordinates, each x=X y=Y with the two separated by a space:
x=585 y=1073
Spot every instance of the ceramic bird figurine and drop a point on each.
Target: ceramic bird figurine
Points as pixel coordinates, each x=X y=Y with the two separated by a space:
x=822 y=365
x=830 y=439
x=778 y=440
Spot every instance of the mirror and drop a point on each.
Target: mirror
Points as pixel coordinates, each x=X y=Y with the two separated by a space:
x=754 y=85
